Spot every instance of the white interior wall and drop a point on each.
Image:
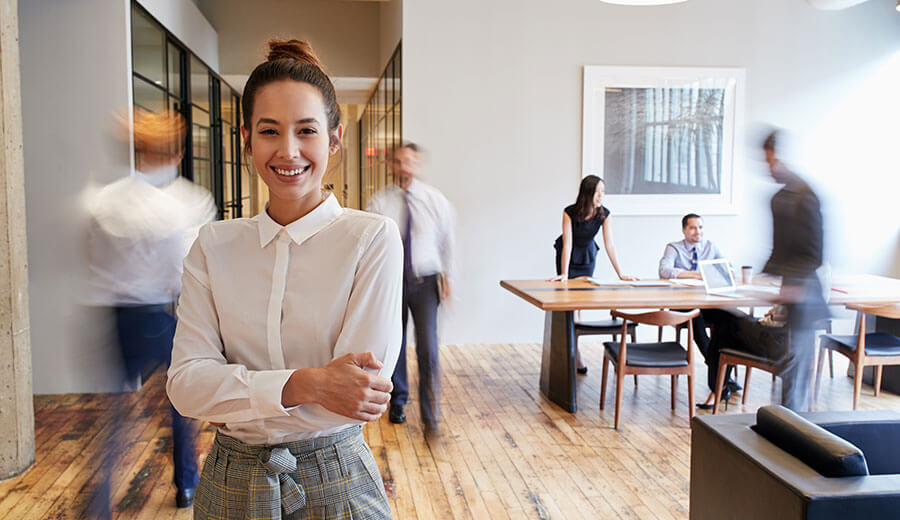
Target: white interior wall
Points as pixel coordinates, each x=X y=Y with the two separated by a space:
x=73 y=81
x=499 y=111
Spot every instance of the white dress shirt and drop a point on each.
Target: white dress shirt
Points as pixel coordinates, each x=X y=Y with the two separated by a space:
x=431 y=233
x=141 y=228
x=260 y=300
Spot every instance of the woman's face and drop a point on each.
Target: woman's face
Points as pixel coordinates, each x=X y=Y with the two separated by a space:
x=289 y=140
x=598 y=194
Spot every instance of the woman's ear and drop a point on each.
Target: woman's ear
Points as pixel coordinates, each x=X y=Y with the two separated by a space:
x=246 y=136
x=335 y=140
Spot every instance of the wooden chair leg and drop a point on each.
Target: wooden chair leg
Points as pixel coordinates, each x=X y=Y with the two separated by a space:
x=690 y=379
x=605 y=370
x=747 y=384
x=620 y=380
x=659 y=335
x=857 y=385
x=720 y=383
x=674 y=385
x=831 y=363
x=819 y=368
x=878 y=379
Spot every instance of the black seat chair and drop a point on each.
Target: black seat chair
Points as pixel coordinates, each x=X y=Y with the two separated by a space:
x=730 y=357
x=663 y=358
x=611 y=327
x=874 y=349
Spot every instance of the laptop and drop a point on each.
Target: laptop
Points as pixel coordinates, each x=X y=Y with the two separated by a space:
x=719 y=281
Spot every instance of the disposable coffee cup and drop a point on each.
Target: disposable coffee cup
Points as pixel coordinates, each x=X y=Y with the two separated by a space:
x=747 y=274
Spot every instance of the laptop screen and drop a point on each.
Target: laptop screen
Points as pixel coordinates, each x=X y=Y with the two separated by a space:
x=716 y=274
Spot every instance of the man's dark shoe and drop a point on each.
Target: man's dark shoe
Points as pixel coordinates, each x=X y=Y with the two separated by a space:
x=185 y=497
x=396 y=414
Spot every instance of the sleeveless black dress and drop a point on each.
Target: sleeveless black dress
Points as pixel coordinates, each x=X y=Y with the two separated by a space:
x=584 y=248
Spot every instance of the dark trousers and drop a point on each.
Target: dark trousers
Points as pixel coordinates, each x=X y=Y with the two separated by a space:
x=420 y=298
x=145 y=337
x=145 y=334
x=714 y=318
x=739 y=331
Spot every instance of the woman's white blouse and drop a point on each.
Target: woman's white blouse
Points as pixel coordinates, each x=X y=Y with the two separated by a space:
x=260 y=300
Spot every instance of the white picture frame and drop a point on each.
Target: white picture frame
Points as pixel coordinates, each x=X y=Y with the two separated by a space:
x=719 y=194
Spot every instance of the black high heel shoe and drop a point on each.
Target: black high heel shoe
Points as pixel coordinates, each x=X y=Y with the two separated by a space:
x=726 y=396
x=581 y=370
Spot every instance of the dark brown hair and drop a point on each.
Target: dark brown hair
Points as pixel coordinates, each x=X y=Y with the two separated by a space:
x=686 y=219
x=584 y=204
x=291 y=60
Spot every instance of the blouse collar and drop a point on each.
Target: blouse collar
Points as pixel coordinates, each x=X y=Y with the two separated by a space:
x=302 y=228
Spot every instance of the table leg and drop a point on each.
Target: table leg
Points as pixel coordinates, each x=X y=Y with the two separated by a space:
x=558 y=359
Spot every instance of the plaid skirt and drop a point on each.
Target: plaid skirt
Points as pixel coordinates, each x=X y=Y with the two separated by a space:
x=325 y=478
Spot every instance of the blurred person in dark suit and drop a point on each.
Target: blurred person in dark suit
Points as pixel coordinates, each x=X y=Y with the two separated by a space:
x=797 y=245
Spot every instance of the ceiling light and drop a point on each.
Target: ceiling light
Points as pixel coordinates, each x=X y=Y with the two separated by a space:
x=643 y=2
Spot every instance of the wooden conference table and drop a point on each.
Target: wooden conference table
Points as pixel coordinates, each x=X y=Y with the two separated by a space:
x=560 y=299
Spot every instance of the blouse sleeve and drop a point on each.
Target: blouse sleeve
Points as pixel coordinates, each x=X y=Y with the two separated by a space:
x=201 y=382
x=372 y=322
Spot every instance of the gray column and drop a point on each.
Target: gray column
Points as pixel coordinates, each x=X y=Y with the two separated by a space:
x=16 y=405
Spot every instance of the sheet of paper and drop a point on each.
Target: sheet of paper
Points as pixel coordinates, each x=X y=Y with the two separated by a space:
x=649 y=283
x=687 y=281
x=618 y=283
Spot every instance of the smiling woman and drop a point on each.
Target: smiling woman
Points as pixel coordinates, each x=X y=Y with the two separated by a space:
x=289 y=322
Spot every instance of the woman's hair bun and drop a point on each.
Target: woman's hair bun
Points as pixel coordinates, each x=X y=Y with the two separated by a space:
x=292 y=50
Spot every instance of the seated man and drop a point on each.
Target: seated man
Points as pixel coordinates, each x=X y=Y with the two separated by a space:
x=680 y=260
x=736 y=330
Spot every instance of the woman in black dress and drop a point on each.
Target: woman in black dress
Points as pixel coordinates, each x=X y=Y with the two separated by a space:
x=576 y=250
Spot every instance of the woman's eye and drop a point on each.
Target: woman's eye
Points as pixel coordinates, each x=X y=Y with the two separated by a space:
x=308 y=131
x=268 y=131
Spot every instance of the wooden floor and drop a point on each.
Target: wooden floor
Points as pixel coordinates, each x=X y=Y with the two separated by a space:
x=504 y=450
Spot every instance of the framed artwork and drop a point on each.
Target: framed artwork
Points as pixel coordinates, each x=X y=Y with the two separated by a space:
x=664 y=138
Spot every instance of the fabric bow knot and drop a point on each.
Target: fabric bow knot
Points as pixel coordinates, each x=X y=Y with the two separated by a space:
x=281 y=463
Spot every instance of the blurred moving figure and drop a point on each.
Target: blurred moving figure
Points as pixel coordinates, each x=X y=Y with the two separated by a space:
x=425 y=218
x=142 y=227
x=797 y=237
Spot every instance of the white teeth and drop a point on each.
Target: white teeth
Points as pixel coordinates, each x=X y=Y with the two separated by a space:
x=289 y=173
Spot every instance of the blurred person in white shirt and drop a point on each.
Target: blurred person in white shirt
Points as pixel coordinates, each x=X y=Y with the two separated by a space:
x=426 y=221
x=141 y=228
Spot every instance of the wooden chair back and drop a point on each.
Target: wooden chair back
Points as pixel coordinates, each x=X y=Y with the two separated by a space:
x=659 y=318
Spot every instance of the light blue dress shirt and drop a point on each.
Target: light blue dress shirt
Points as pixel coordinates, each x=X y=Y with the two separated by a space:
x=678 y=256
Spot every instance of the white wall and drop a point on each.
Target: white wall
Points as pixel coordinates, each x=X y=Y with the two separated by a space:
x=184 y=20
x=73 y=81
x=493 y=91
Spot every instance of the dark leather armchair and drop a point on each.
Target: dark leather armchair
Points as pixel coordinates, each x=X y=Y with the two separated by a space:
x=778 y=464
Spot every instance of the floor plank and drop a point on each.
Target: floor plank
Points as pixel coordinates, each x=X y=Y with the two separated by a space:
x=504 y=451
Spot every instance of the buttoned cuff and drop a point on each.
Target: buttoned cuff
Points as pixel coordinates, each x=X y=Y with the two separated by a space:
x=266 y=387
